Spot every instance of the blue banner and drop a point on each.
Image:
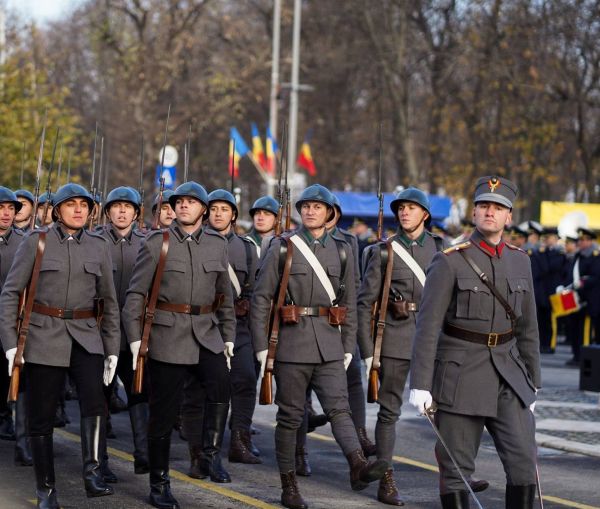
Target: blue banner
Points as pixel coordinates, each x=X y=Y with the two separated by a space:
x=169 y=173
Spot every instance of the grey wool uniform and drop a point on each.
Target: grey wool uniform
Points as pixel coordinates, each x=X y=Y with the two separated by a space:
x=474 y=384
x=311 y=351
x=397 y=343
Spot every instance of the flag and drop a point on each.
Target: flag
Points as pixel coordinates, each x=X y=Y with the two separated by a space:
x=257 y=148
x=272 y=149
x=241 y=149
x=305 y=159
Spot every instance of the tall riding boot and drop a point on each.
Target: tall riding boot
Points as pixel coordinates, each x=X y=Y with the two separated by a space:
x=388 y=491
x=455 y=500
x=138 y=415
x=215 y=418
x=91 y=429
x=43 y=465
x=520 y=497
x=160 y=484
x=290 y=495
x=238 y=449
x=368 y=447
x=22 y=450
x=107 y=474
x=302 y=464
x=363 y=472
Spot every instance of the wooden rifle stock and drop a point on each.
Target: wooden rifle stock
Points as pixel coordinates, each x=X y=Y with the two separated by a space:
x=138 y=376
x=373 y=389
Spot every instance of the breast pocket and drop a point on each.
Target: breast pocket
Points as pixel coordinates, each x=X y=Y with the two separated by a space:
x=92 y=270
x=446 y=375
x=473 y=299
x=517 y=289
x=212 y=269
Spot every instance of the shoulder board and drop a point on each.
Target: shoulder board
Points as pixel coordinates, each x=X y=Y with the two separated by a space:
x=529 y=252
x=458 y=247
x=18 y=231
x=210 y=231
x=542 y=249
x=96 y=234
x=246 y=239
x=432 y=234
x=139 y=233
x=515 y=248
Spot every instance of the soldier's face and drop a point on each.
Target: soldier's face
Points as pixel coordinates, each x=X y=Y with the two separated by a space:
x=411 y=216
x=264 y=221
x=167 y=214
x=189 y=210
x=221 y=215
x=122 y=214
x=7 y=215
x=314 y=214
x=40 y=215
x=74 y=213
x=490 y=217
x=25 y=213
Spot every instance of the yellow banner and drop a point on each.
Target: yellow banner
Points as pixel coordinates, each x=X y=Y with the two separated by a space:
x=570 y=215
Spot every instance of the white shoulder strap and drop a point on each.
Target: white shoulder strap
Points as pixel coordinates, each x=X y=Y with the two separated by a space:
x=315 y=264
x=234 y=280
x=410 y=261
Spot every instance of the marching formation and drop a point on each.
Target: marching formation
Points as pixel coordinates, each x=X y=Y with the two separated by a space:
x=193 y=316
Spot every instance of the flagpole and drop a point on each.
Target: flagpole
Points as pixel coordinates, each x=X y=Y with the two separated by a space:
x=274 y=78
x=293 y=132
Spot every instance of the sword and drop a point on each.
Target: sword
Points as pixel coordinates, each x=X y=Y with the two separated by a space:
x=429 y=414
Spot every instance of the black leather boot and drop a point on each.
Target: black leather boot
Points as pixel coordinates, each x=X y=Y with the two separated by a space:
x=43 y=465
x=215 y=418
x=388 y=491
x=107 y=474
x=160 y=484
x=368 y=447
x=247 y=436
x=91 y=429
x=362 y=471
x=197 y=470
x=290 y=495
x=302 y=464
x=22 y=451
x=520 y=497
x=138 y=415
x=455 y=500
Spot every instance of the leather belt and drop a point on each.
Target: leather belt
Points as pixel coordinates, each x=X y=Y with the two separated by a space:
x=492 y=339
x=312 y=311
x=190 y=309
x=65 y=314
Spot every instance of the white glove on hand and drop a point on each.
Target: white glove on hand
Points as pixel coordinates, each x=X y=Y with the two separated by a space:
x=262 y=358
x=228 y=353
x=347 y=360
x=421 y=399
x=10 y=356
x=369 y=364
x=532 y=406
x=135 y=350
x=559 y=289
x=110 y=366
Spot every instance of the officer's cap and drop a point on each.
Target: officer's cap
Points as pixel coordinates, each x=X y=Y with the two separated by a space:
x=518 y=232
x=495 y=189
x=586 y=233
x=550 y=230
x=535 y=227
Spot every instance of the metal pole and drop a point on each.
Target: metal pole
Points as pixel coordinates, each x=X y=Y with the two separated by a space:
x=293 y=133
x=275 y=66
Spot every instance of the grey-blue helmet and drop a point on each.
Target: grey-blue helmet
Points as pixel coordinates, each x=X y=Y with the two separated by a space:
x=167 y=193
x=68 y=192
x=413 y=195
x=8 y=196
x=316 y=192
x=123 y=193
x=337 y=204
x=24 y=193
x=267 y=203
x=44 y=198
x=226 y=196
x=192 y=189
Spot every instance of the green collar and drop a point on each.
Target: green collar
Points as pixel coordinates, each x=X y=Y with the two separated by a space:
x=309 y=239
x=404 y=239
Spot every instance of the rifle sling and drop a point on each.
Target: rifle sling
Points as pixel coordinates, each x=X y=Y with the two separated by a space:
x=383 y=305
x=153 y=297
x=274 y=336
x=30 y=290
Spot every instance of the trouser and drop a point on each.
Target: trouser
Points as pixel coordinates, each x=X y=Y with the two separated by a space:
x=125 y=373
x=330 y=385
x=243 y=387
x=393 y=374
x=577 y=329
x=513 y=432
x=166 y=388
x=45 y=383
x=4 y=384
x=356 y=392
x=544 y=317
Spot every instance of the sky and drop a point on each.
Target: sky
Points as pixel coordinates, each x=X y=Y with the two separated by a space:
x=41 y=10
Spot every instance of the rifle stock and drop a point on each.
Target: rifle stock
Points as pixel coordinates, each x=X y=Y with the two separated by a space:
x=266 y=389
x=373 y=390
x=138 y=375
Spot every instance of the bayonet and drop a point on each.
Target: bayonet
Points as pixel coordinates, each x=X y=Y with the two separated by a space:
x=36 y=190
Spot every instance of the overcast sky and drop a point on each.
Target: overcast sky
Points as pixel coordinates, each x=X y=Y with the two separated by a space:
x=41 y=10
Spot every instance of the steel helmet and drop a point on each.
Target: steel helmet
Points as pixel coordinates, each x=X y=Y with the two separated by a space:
x=192 y=189
x=8 y=196
x=44 y=198
x=413 y=195
x=267 y=203
x=123 y=193
x=68 y=192
x=316 y=192
x=24 y=193
x=166 y=195
x=226 y=196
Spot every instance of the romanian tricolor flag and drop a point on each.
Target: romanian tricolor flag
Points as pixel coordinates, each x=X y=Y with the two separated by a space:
x=272 y=149
x=305 y=159
x=237 y=150
x=257 y=148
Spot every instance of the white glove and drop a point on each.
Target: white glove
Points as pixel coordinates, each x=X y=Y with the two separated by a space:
x=347 y=360
x=228 y=353
x=10 y=356
x=135 y=350
x=532 y=406
x=369 y=364
x=262 y=358
x=110 y=366
x=559 y=289
x=578 y=284
x=421 y=399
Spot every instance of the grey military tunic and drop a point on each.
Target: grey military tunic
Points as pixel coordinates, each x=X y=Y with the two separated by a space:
x=9 y=243
x=195 y=272
x=76 y=269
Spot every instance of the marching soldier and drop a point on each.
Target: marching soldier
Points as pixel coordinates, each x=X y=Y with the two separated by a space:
x=316 y=341
x=64 y=335
x=413 y=249
x=192 y=332
x=46 y=220
x=264 y=215
x=476 y=352
x=23 y=217
x=122 y=208
x=167 y=214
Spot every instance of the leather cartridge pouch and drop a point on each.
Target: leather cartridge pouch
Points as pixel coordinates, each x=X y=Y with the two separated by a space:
x=398 y=309
x=337 y=315
x=289 y=314
x=242 y=307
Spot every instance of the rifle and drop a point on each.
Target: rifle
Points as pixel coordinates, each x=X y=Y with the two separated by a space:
x=22 y=166
x=60 y=161
x=186 y=158
x=288 y=204
x=141 y=187
x=280 y=190
x=266 y=384
x=92 y=189
x=69 y=168
x=49 y=181
x=36 y=189
x=98 y=188
x=379 y=193
x=24 y=314
x=156 y=224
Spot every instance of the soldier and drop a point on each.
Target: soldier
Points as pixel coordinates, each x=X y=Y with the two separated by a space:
x=476 y=351
x=412 y=244
x=122 y=208
x=167 y=214
x=23 y=217
x=64 y=335
x=313 y=349
x=10 y=239
x=46 y=220
x=518 y=236
x=264 y=215
x=192 y=333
